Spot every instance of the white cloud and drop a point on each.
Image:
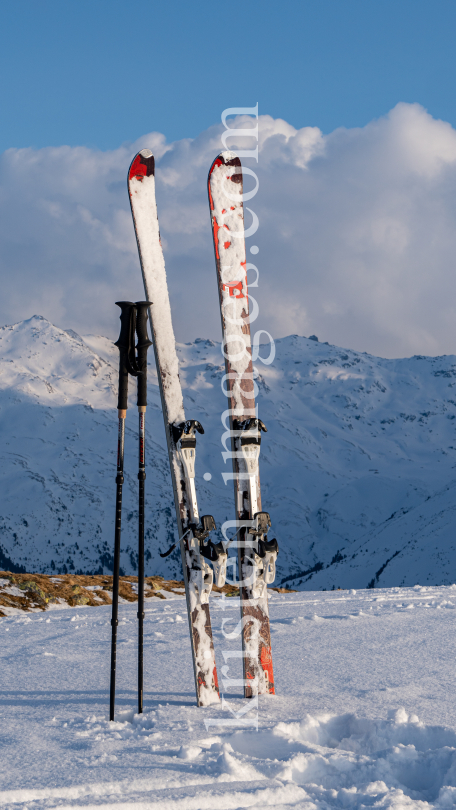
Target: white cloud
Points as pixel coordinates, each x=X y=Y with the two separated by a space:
x=357 y=233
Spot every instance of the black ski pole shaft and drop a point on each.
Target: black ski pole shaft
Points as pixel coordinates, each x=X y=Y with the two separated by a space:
x=124 y=346
x=141 y=348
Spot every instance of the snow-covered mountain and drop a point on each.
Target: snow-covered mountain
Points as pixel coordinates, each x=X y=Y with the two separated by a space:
x=358 y=465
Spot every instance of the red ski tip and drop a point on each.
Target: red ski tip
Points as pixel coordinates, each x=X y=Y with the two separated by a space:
x=221 y=160
x=143 y=165
x=217 y=162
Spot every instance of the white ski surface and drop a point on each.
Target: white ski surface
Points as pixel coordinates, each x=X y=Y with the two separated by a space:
x=144 y=210
x=227 y=198
x=227 y=221
x=156 y=288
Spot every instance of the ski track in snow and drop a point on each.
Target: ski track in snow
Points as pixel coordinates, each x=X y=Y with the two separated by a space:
x=364 y=715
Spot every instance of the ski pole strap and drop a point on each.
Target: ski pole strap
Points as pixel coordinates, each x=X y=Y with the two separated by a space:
x=124 y=345
x=143 y=344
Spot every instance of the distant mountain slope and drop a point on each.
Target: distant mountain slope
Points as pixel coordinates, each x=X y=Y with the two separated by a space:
x=358 y=465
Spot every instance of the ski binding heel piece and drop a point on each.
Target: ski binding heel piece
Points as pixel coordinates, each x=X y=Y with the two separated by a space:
x=250 y=440
x=250 y=427
x=186 y=429
x=185 y=439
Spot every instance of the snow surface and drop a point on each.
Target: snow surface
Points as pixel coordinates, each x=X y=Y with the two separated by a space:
x=364 y=716
x=358 y=464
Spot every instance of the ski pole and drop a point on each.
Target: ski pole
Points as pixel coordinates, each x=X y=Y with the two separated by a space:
x=141 y=348
x=127 y=321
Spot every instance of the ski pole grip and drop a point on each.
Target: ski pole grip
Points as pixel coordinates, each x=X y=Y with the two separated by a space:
x=123 y=344
x=143 y=344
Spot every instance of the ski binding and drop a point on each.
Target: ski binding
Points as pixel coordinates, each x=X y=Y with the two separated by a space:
x=202 y=575
x=264 y=556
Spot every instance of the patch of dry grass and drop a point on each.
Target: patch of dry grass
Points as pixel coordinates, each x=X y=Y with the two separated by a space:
x=37 y=591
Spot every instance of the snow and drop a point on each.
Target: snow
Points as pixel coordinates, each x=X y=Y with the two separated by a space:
x=364 y=714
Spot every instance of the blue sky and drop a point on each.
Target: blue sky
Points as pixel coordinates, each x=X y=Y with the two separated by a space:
x=357 y=166
x=98 y=73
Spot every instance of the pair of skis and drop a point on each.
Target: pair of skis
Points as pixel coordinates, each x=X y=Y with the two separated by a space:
x=256 y=555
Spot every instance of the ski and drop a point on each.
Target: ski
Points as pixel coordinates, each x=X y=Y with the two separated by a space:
x=256 y=554
x=180 y=434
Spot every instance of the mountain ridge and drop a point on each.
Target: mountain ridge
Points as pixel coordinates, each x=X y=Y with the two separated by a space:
x=357 y=468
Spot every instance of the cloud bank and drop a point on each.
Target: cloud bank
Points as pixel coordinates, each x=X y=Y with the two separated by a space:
x=357 y=236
